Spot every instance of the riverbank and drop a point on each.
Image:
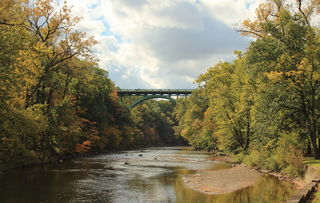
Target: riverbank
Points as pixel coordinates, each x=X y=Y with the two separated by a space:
x=214 y=182
x=221 y=181
x=299 y=182
x=310 y=192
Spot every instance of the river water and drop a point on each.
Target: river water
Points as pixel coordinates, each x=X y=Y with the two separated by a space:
x=149 y=175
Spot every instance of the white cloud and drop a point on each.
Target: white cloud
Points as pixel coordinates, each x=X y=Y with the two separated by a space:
x=231 y=12
x=165 y=43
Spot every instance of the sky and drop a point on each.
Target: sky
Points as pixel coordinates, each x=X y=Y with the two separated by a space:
x=163 y=43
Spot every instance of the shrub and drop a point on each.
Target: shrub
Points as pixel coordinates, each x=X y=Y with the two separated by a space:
x=289 y=154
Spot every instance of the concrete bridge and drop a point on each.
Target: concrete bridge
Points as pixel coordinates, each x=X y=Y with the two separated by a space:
x=142 y=95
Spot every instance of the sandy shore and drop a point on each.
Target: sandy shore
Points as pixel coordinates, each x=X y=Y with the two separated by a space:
x=221 y=181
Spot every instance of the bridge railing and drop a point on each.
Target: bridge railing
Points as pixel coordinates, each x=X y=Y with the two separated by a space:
x=155 y=90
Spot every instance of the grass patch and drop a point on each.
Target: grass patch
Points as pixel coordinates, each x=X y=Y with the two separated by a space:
x=311 y=161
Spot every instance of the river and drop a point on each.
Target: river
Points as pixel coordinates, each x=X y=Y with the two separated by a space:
x=149 y=175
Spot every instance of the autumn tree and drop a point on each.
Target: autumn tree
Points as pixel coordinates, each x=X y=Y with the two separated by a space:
x=59 y=41
x=286 y=55
x=194 y=122
x=230 y=103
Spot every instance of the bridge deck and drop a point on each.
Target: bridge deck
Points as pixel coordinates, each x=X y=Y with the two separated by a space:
x=154 y=91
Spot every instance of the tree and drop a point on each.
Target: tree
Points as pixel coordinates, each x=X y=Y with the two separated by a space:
x=230 y=103
x=286 y=55
x=194 y=122
x=55 y=33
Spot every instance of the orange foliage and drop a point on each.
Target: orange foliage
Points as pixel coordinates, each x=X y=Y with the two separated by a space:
x=84 y=147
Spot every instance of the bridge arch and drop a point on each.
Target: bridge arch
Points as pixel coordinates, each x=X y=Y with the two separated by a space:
x=139 y=101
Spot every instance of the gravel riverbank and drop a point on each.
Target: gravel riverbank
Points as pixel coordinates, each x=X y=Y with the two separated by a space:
x=221 y=181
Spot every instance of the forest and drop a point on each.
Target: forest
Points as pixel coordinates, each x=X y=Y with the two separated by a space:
x=263 y=107
x=55 y=101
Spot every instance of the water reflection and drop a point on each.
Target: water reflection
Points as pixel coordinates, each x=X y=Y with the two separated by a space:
x=156 y=176
x=268 y=189
x=38 y=185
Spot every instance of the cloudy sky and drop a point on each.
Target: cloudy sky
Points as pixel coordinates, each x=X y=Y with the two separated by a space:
x=163 y=43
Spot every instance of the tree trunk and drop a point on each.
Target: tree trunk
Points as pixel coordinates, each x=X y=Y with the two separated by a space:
x=308 y=147
x=66 y=84
x=319 y=147
x=49 y=99
x=314 y=145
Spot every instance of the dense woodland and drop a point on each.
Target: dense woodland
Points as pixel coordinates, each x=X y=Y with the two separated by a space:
x=54 y=99
x=264 y=106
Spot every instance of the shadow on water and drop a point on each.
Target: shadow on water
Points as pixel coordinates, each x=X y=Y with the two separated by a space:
x=154 y=177
x=38 y=185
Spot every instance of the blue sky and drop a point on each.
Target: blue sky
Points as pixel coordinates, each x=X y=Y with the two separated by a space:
x=163 y=43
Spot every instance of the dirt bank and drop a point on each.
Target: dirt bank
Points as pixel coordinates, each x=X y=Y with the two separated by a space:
x=221 y=181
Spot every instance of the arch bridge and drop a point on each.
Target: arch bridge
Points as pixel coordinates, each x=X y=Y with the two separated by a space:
x=140 y=95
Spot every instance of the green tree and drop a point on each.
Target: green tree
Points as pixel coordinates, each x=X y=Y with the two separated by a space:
x=194 y=122
x=286 y=56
